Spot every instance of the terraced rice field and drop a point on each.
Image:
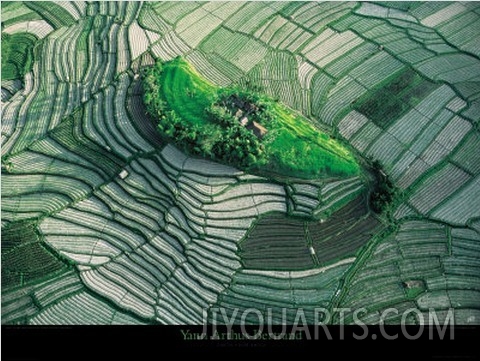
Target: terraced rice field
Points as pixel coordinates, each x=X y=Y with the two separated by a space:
x=104 y=223
x=282 y=243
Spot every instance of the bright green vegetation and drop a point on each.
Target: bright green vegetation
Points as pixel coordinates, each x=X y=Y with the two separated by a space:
x=204 y=119
x=299 y=148
x=395 y=98
x=185 y=106
x=185 y=91
x=17 y=55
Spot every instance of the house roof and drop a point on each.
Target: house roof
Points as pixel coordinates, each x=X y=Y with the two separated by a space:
x=244 y=121
x=257 y=129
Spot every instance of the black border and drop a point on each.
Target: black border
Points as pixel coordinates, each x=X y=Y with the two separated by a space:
x=22 y=343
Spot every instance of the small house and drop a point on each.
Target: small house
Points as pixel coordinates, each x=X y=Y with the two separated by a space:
x=244 y=121
x=257 y=129
x=123 y=174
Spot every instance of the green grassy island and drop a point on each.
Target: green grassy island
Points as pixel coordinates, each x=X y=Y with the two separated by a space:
x=239 y=127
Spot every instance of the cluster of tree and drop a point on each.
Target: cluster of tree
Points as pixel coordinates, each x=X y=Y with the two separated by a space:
x=221 y=138
x=233 y=145
x=384 y=191
x=152 y=98
x=251 y=104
